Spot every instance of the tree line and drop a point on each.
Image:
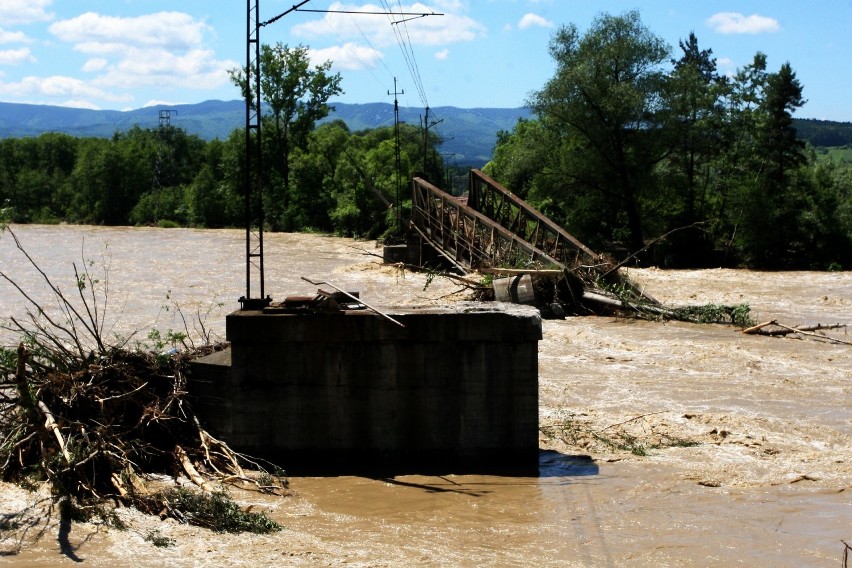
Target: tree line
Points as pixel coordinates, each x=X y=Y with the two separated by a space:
x=341 y=181
x=630 y=148
x=326 y=179
x=628 y=144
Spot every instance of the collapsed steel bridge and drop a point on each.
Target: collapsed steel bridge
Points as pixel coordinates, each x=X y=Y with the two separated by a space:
x=493 y=228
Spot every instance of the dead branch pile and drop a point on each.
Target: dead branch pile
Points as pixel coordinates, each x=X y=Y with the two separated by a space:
x=97 y=421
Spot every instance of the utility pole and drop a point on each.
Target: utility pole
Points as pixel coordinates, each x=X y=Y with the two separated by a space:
x=426 y=126
x=164 y=164
x=253 y=179
x=396 y=154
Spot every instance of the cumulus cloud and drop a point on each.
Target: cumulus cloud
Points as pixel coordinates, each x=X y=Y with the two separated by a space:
x=452 y=27
x=196 y=69
x=12 y=37
x=726 y=66
x=95 y=64
x=169 y=30
x=56 y=86
x=349 y=56
x=79 y=104
x=16 y=56
x=737 y=23
x=533 y=21
x=156 y=103
x=16 y=12
x=163 y=50
x=442 y=55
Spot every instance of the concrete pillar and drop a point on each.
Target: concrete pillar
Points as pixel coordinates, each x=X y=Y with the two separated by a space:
x=455 y=389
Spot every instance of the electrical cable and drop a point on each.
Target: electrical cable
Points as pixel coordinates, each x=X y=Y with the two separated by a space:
x=355 y=53
x=406 y=48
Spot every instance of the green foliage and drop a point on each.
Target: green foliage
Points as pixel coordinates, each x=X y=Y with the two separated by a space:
x=216 y=511
x=297 y=97
x=738 y=315
x=623 y=149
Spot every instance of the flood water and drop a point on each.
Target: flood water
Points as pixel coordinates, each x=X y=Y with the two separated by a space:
x=662 y=444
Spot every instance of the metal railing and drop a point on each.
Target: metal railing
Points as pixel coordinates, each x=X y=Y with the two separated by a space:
x=467 y=237
x=494 y=201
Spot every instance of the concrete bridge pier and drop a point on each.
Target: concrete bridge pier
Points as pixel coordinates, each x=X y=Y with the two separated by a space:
x=455 y=390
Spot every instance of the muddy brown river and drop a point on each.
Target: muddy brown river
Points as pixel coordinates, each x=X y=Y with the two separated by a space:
x=662 y=444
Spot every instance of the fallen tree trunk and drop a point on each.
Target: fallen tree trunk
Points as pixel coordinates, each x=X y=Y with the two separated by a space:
x=784 y=330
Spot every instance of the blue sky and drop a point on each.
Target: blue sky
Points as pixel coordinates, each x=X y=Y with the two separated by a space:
x=124 y=54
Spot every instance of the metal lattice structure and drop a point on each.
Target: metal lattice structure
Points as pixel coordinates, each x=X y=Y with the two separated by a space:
x=492 y=228
x=512 y=213
x=466 y=237
x=253 y=178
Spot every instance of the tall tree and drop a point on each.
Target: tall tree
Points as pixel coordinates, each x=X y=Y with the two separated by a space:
x=784 y=152
x=297 y=96
x=694 y=92
x=694 y=98
x=605 y=101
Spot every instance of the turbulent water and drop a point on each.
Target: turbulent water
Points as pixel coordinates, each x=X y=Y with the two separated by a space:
x=662 y=444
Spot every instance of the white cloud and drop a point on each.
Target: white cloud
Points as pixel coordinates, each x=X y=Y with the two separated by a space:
x=163 y=50
x=16 y=56
x=726 y=66
x=78 y=104
x=170 y=30
x=448 y=5
x=57 y=86
x=155 y=102
x=196 y=69
x=737 y=23
x=533 y=21
x=349 y=56
x=16 y=12
x=95 y=64
x=12 y=37
x=452 y=27
x=442 y=55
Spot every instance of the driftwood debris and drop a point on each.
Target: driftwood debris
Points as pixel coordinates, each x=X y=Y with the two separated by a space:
x=94 y=420
x=773 y=328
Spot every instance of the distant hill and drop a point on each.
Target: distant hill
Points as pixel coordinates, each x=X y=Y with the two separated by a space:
x=469 y=134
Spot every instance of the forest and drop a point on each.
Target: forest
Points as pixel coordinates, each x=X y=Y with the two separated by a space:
x=632 y=146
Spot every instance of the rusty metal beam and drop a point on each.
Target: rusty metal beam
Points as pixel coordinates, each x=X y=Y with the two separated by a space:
x=467 y=237
x=513 y=213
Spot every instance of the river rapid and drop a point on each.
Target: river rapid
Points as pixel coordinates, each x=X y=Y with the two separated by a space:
x=662 y=444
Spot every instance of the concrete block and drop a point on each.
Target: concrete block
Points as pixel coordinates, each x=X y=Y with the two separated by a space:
x=455 y=389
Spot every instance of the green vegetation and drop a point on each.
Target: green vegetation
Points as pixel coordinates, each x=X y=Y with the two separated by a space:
x=216 y=511
x=628 y=143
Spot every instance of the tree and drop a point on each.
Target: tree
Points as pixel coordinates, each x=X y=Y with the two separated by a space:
x=297 y=97
x=761 y=166
x=694 y=98
x=605 y=103
x=784 y=152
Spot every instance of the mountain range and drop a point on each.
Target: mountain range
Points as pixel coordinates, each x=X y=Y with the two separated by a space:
x=469 y=134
